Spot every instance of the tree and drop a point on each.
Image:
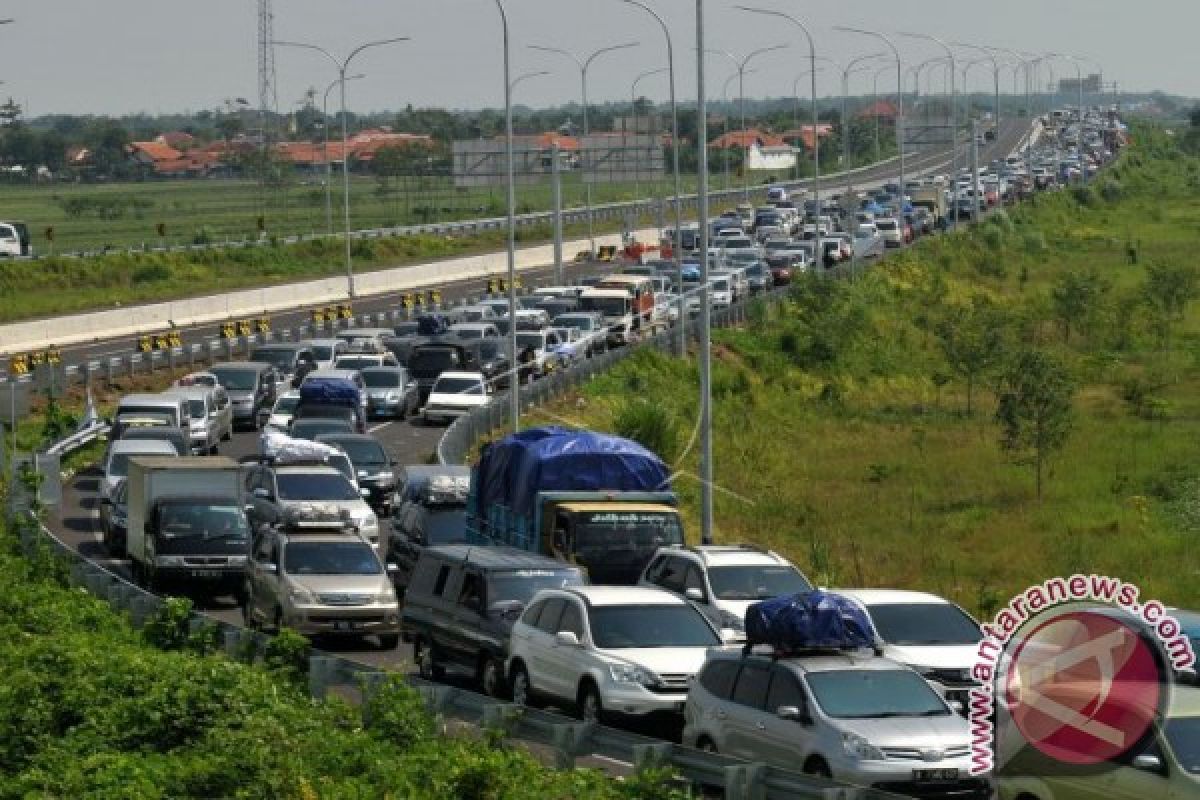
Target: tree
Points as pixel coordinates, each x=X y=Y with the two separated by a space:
x=1076 y=297
x=973 y=341
x=1034 y=412
x=1169 y=290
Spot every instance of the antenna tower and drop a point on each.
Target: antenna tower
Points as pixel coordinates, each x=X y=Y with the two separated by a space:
x=268 y=99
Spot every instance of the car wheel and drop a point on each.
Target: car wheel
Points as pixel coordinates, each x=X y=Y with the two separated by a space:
x=588 y=705
x=491 y=678
x=522 y=689
x=277 y=626
x=706 y=745
x=427 y=666
x=817 y=766
x=389 y=641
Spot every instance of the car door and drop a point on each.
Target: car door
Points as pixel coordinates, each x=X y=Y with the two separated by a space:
x=463 y=643
x=745 y=725
x=262 y=560
x=539 y=647
x=441 y=609
x=567 y=663
x=784 y=742
x=224 y=411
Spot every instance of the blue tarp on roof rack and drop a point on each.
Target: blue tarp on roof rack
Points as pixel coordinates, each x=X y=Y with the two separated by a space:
x=329 y=391
x=814 y=620
x=513 y=470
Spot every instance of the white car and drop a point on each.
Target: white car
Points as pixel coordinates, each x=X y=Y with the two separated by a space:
x=720 y=292
x=281 y=413
x=926 y=632
x=608 y=650
x=724 y=580
x=891 y=231
x=210 y=416
x=455 y=394
x=116 y=465
x=326 y=351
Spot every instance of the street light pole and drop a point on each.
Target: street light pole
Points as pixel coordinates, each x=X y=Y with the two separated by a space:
x=988 y=55
x=325 y=152
x=740 y=65
x=846 y=72
x=637 y=188
x=812 y=74
x=583 y=71
x=899 y=95
x=705 y=349
x=342 y=66
x=677 y=245
x=953 y=117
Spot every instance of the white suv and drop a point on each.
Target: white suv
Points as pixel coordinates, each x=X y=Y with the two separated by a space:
x=859 y=719
x=926 y=632
x=724 y=580
x=608 y=650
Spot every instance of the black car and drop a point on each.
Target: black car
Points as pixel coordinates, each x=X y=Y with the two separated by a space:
x=493 y=361
x=113 y=517
x=312 y=427
x=374 y=468
x=463 y=601
x=292 y=361
x=353 y=416
x=251 y=389
x=431 y=509
x=444 y=354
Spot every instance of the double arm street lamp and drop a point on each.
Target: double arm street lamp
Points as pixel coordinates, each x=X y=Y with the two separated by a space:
x=583 y=65
x=342 y=66
x=899 y=93
x=850 y=68
x=325 y=152
x=677 y=245
x=740 y=64
x=953 y=113
x=988 y=55
x=637 y=182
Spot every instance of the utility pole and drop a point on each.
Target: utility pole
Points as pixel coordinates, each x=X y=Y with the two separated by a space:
x=556 y=173
x=705 y=353
x=975 y=170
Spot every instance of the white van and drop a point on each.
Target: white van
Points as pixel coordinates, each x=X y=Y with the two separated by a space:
x=173 y=406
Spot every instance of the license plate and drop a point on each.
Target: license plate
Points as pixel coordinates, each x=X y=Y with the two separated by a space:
x=205 y=573
x=344 y=625
x=935 y=775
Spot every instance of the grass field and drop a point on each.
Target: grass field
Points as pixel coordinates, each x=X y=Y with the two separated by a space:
x=841 y=433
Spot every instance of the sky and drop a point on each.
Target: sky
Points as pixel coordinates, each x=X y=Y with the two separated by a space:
x=164 y=56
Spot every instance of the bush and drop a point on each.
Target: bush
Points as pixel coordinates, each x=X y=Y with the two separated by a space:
x=649 y=424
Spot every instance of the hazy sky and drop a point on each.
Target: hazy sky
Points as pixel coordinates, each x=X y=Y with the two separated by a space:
x=116 y=56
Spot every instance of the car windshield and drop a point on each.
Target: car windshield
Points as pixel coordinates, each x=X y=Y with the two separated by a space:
x=362 y=451
x=600 y=530
x=238 y=380
x=327 y=486
x=534 y=340
x=382 y=380
x=311 y=427
x=330 y=558
x=322 y=352
x=608 y=306
x=458 y=386
x=196 y=409
x=357 y=362
x=720 y=284
x=909 y=624
x=636 y=626
x=287 y=404
x=874 y=694
x=277 y=358
x=118 y=465
x=522 y=584
x=1183 y=735
x=445 y=526
x=578 y=323
x=434 y=359
x=202 y=529
x=886 y=225
x=756 y=582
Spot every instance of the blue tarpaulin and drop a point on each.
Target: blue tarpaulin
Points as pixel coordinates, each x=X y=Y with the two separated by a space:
x=513 y=470
x=809 y=620
x=329 y=391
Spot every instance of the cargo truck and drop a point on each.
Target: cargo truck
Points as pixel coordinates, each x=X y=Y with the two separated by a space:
x=187 y=524
x=598 y=501
x=932 y=198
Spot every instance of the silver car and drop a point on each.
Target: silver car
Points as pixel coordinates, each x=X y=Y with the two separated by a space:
x=860 y=719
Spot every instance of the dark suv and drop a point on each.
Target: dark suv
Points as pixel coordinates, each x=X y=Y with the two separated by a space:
x=431 y=510
x=251 y=389
x=463 y=602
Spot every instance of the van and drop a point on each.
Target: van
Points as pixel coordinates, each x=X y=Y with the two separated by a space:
x=209 y=421
x=173 y=407
x=14 y=239
x=640 y=290
x=431 y=358
x=292 y=361
x=251 y=388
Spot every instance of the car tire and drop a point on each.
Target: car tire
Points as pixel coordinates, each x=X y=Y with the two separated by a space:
x=389 y=641
x=491 y=678
x=588 y=704
x=277 y=624
x=426 y=658
x=521 y=687
x=817 y=767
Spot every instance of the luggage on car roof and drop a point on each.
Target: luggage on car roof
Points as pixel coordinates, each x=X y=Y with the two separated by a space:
x=812 y=620
x=329 y=391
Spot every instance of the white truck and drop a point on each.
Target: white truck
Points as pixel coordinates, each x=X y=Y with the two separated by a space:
x=615 y=308
x=187 y=524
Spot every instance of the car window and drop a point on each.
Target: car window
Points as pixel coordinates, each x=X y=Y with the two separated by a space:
x=718 y=678
x=439 y=585
x=694 y=580
x=572 y=620
x=673 y=575
x=752 y=685
x=785 y=691
x=532 y=613
x=547 y=621
x=471 y=595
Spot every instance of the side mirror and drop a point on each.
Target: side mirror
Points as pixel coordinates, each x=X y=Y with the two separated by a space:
x=794 y=714
x=566 y=639
x=956 y=706
x=729 y=635
x=694 y=594
x=392 y=569
x=1147 y=762
x=365 y=492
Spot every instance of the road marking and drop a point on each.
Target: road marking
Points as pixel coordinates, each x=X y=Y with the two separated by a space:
x=380 y=427
x=614 y=761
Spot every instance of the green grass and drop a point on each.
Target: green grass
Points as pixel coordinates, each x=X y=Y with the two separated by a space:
x=836 y=446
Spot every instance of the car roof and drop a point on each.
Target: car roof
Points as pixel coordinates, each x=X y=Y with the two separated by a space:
x=880 y=597
x=344 y=374
x=142 y=446
x=476 y=376
x=818 y=661
x=720 y=555
x=339 y=436
x=288 y=469
x=257 y=366
x=626 y=596
x=497 y=557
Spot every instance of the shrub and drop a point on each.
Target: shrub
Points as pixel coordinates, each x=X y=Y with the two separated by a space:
x=651 y=425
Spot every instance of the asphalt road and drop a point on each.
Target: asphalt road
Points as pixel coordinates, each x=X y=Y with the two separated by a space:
x=408 y=442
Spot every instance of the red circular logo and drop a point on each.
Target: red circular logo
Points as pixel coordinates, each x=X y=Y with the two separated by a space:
x=1084 y=687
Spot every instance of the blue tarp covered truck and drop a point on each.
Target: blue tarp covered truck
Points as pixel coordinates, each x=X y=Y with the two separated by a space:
x=595 y=500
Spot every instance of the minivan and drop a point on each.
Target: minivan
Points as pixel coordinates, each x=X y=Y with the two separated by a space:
x=171 y=406
x=251 y=389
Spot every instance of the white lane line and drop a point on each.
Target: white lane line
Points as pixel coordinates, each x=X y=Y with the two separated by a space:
x=614 y=761
x=380 y=427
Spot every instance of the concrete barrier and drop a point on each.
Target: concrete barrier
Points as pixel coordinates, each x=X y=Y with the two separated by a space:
x=188 y=312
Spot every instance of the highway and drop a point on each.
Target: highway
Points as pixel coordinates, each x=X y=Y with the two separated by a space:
x=76 y=522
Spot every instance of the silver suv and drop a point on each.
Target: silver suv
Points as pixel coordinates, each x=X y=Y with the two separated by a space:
x=860 y=719
x=724 y=580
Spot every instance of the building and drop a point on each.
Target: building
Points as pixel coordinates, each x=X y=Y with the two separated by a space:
x=803 y=136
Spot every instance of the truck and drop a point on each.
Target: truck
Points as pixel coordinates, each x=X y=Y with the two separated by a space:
x=187 y=524
x=594 y=500
x=932 y=198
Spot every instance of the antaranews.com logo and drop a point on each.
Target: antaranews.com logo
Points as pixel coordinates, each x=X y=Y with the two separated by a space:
x=1083 y=685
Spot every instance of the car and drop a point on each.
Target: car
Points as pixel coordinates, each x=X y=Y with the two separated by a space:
x=252 y=390
x=281 y=413
x=431 y=512
x=320 y=580
x=851 y=716
x=891 y=230
x=326 y=351
x=114 y=517
x=116 y=465
x=275 y=489
x=374 y=469
x=462 y=604
x=720 y=292
x=475 y=330
x=196 y=379
x=608 y=650
x=494 y=362
x=433 y=357
x=291 y=361
x=536 y=353
x=532 y=319
x=128 y=429
x=361 y=361
x=210 y=416
x=591 y=330
x=391 y=392
x=760 y=278
x=928 y=633
x=571 y=347
x=723 y=580
x=352 y=376
x=312 y=427
x=455 y=394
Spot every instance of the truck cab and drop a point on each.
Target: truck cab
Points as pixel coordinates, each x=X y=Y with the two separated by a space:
x=612 y=541
x=615 y=307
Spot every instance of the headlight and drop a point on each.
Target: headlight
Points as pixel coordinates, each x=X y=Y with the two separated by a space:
x=298 y=594
x=168 y=561
x=627 y=673
x=860 y=749
x=392 y=396
x=386 y=476
x=388 y=595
